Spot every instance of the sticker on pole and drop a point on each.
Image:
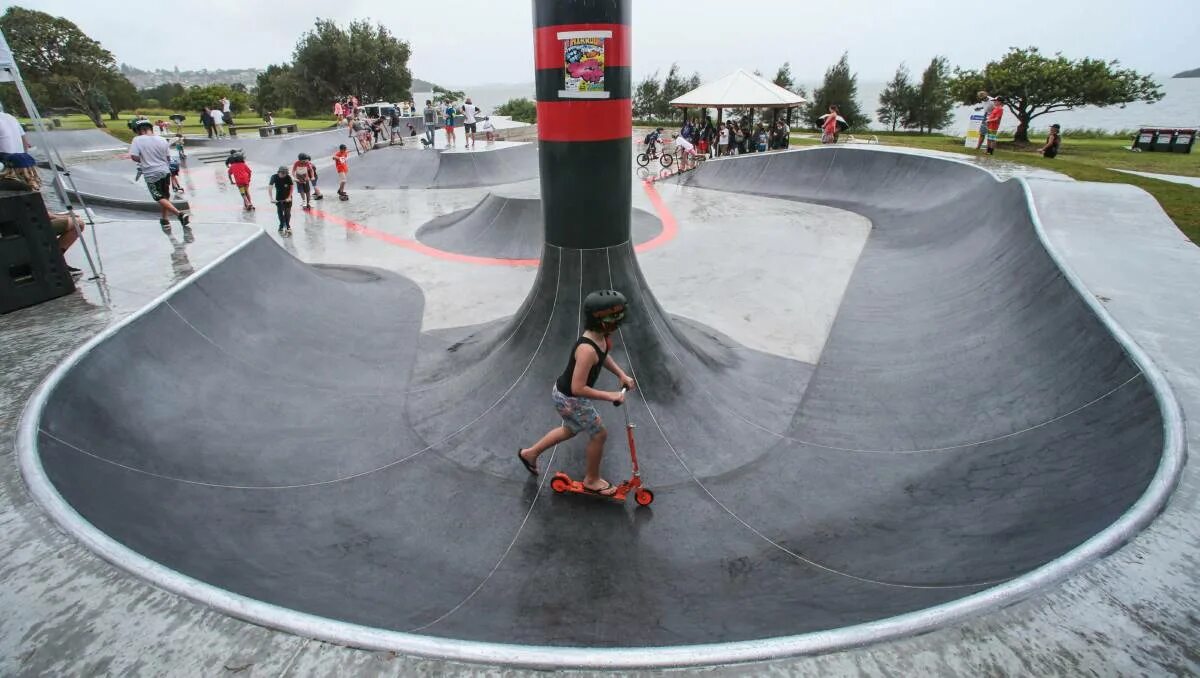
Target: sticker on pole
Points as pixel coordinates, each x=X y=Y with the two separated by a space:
x=583 y=64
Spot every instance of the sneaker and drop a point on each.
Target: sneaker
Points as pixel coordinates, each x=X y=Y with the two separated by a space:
x=166 y=225
x=319 y=196
x=75 y=272
x=184 y=219
x=288 y=231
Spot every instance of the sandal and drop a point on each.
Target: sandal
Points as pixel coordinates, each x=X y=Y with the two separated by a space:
x=532 y=468
x=607 y=491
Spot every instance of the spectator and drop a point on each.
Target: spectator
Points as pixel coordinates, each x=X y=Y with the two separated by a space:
x=723 y=141
x=1050 y=150
x=218 y=123
x=993 y=124
x=489 y=130
x=829 y=125
x=687 y=130
x=469 y=111
x=153 y=156
x=269 y=118
x=226 y=110
x=988 y=104
x=394 y=125
x=449 y=125
x=206 y=119
x=178 y=143
x=21 y=175
x=12 y=136
x=760 y=138
x=430 y=115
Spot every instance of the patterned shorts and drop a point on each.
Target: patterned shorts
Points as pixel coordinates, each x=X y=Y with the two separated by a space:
x=160 y=187
x=578 y=414
x=991 y=135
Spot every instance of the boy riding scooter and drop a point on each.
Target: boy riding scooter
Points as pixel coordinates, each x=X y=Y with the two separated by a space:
x=574 y=390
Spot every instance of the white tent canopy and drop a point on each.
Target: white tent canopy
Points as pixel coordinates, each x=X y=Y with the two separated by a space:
x=739 y=89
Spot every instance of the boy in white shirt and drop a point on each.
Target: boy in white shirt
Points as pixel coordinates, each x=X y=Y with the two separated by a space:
x=153 y=155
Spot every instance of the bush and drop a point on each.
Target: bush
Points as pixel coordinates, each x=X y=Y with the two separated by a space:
x=521 y=110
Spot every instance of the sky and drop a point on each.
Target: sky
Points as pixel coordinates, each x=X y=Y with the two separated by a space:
x=473 y=42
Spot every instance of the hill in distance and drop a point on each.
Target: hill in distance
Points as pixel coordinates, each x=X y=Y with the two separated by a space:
x=142 y=79
x=1194 y=73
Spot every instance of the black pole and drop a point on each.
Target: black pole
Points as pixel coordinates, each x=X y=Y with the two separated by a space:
x=582 y=61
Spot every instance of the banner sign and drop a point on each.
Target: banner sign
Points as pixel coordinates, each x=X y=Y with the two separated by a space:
x=583 y=64
x=972 y=135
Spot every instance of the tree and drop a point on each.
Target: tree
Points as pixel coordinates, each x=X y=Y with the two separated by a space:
x=442 y=94
x=364 y=60
x=1033 y=85
x=783 y=78
x=276 y=88
x=162 y=93
x=674 y=86
x=647 y=97
x=64 y=66
x=840 y=87
x=197 y=97
x=930 y=105
x=521 y=110
x=122 y=96
x=894 y=99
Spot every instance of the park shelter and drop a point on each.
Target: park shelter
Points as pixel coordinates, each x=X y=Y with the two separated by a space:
x=739 y=89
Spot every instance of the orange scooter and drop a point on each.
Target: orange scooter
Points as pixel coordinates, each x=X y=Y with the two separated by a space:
x=562 y=482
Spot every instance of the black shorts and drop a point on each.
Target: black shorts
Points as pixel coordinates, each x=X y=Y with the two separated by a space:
x=303 y=187
x=160 y=188
x=469 y=127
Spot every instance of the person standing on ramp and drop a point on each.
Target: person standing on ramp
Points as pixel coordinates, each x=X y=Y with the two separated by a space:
x=574 y=391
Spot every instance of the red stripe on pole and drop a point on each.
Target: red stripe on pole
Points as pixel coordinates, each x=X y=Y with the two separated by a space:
x=585 y=120
x=548 y=49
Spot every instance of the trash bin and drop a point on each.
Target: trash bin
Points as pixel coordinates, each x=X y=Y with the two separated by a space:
x=1163 y=140
x=1145 y=139
x=1184 y=139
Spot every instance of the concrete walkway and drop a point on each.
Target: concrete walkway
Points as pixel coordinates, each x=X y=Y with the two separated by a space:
x=1173 y=178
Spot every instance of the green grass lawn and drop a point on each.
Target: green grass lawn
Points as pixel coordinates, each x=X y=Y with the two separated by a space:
x=120 y=130
x=1089 y=160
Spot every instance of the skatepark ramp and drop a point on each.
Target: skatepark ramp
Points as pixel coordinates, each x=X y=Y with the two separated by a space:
x=284 y=443
x=507 y=228
x=413 y=168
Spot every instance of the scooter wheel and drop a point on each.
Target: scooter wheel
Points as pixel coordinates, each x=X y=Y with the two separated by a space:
x=558 y=484
x=643 y=497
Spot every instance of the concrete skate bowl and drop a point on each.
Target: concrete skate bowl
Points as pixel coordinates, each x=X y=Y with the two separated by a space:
x=108 y=183
x=508 y=228
x=287 y=445
x=415 y=168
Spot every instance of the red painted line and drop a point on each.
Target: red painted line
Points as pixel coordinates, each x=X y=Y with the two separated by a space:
x=584 y=119
x=670 y=227
x=669 y=230
x=351 y=225
x=548 y=49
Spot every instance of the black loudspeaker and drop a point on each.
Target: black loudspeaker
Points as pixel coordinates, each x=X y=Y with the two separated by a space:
x=32 y=269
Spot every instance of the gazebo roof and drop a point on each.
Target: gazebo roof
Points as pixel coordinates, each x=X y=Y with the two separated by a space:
x=737 y=90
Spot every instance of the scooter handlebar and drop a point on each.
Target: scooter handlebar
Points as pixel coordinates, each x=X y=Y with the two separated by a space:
x=623 y=390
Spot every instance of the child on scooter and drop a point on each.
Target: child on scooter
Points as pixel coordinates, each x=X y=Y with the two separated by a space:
x=574 y=391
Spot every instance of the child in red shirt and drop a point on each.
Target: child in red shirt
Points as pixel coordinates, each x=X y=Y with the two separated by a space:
x=993 y=124
x=239 y=174
x=342 y=168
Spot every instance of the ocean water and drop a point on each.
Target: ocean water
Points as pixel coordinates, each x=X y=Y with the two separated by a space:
x=1179 y=108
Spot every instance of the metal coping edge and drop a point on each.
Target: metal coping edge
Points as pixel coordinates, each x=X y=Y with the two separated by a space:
x=909 y=624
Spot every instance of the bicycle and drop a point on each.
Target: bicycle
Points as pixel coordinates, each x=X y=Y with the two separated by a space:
x=665 y=159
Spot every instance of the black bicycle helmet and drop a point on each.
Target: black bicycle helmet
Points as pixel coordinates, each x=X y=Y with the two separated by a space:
x=603 y=310
x=303 y=156
x=140 y=124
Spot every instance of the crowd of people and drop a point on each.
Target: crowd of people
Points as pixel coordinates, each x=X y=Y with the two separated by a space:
x=736 y=136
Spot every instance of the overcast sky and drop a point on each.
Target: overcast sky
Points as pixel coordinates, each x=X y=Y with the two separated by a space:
x=470 y=42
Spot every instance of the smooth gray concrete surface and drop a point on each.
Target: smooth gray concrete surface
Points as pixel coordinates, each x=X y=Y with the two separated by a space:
x=957 y=451
x=501 y=163
x=1127 y=615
